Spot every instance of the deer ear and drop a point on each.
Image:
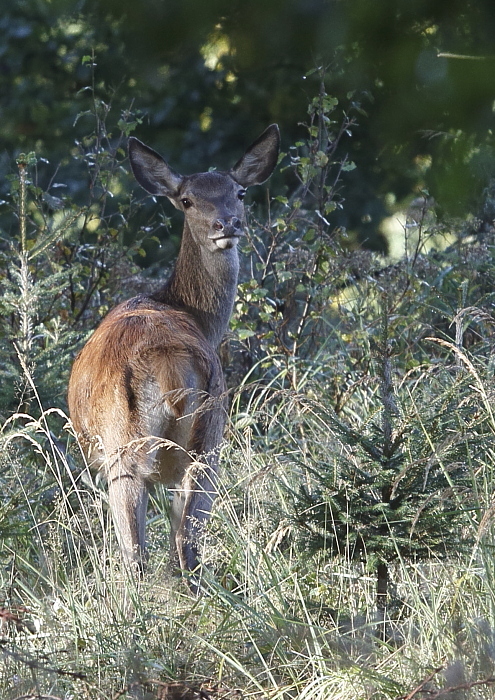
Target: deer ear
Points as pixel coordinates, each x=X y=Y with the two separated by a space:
x=151 y=171
x=257 y=164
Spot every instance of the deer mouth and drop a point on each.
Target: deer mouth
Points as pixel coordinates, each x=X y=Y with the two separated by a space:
x=226 y=240
x=226 y=237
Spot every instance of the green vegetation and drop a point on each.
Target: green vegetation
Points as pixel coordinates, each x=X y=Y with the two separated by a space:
x=417 y=77
x=350 y=554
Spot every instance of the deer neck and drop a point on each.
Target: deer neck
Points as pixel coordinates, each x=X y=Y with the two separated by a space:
x=204 y=284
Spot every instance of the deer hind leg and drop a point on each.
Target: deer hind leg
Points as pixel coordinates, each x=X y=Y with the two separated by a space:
x=194 y=498
x=191 y=509
x=128 y=498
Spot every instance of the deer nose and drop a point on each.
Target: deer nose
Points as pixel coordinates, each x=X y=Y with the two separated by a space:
x=227 y=222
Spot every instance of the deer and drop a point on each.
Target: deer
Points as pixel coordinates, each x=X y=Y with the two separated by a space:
x=147 y=394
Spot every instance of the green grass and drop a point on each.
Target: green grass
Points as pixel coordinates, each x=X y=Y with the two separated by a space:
x=359 y=453
x=275 y=620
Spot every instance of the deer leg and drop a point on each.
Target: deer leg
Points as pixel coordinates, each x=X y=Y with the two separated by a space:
x=177 y=508
x=128 y=498
x=190 y=511
x=199 y=491
x=194 y=499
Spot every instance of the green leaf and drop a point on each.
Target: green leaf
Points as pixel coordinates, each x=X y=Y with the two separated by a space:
x=347 y=167
x=244 y=333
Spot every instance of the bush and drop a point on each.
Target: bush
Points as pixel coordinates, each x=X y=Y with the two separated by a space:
x=350 y=550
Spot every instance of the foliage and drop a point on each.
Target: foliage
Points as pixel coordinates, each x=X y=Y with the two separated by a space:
x=387 y=451
x=350 y=554
x=67 y=262
x=420 y=72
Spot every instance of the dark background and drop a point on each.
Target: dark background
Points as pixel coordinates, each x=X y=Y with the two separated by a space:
x=207 y=77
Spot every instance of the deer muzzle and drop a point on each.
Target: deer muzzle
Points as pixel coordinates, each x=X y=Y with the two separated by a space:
x=225 y=231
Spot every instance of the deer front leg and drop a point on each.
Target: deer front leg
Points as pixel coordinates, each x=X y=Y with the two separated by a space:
x=128 y=498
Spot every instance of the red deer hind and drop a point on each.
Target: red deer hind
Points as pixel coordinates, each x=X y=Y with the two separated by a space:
x=150 y=372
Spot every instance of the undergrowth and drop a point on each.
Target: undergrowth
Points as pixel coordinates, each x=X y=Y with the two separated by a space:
x=350 y=551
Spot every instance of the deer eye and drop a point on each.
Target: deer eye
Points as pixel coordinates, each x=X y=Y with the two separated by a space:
x=241 y=194
x=186 y=203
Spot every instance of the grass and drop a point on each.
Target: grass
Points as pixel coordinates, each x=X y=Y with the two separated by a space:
x=274 y=621
x=289 y=604
x=359 y=457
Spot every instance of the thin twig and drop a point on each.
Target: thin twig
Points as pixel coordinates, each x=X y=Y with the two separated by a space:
x=36 y=665
x=30 y=696
x=420 y=687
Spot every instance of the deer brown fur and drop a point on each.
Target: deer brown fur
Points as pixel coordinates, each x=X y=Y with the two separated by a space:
x=146 y=393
